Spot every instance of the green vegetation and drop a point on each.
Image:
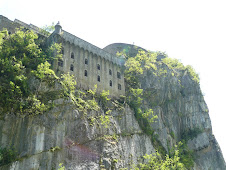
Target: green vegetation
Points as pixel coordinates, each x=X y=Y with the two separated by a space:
x=21 y=62
x=186 y=155
x=28 y=86
x=135 y=68
x=175 y=64
x=47 y=29
x=56 y=148
x=61 y=167
x=155 y=162
x=190 y=134
x=27 y=82
x=7 y=156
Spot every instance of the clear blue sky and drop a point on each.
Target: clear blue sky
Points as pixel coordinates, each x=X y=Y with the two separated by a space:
x=193 y=31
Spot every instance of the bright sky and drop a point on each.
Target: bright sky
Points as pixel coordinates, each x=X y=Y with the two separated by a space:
x=193 y=31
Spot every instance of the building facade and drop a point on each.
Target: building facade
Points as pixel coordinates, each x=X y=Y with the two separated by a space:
x=88 y=64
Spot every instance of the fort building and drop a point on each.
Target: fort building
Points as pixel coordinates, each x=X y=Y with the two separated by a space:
x=89 y=64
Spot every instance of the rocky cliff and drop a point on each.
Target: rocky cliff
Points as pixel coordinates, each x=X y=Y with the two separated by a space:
x=81 y=140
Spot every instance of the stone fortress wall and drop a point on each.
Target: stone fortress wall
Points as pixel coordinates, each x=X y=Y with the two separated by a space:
x=89 y=64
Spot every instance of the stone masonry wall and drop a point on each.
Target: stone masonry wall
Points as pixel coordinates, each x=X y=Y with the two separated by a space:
x=87 y=58
x=86 y=64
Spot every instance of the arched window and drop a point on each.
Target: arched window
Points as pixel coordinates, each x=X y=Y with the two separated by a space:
x=72 y=67
x=110 y=73
x=60 y=63
x=110 y=83
x=86 y=61
x=118 y=75
x=98 y=66
x=119 y=86
x=72 y=55
x=98 y=78
x=86 y=73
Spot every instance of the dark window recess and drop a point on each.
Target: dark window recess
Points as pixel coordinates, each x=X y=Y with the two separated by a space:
x=118 y=75
x=98 y=78
x=86 y=61
x=72 y=55
x=98 y=66
x=110 y=73
x=72 y=68
x=110 y=83
x=119 y=87
x=60 y=63
x=86 y=73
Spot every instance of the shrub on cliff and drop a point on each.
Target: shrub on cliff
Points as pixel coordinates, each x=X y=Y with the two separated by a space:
x=24 y=71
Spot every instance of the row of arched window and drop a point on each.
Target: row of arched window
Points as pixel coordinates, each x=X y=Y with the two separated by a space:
x=86 y=62
x=98 y=77
x=60 y=63
x=98 y=66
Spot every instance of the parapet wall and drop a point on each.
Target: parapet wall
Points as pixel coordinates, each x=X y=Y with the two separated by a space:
x=89 y=64
x=11 y=25
x=90 y=47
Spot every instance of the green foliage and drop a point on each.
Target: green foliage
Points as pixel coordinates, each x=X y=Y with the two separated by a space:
x=7 y=156
x=186 y=155
x=172 y=134
x=47 y=29
x=192 y=73
x=53 y=149
x=19 y=57
x=155 y=162
x=149 y=115
x=23 y=62
x=61 y=167
x=104 y=98
x=135 y=98
x=135 y=67
x=190 y=134
x=104 y=119
x=68 y=85
x=93 y=92
x=175 y=64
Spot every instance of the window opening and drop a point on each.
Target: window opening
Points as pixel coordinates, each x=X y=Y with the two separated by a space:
x=86 y=61
x=72 y=68
x=119 y=86
x=110 y=83
x=110 y=73
x=86 y=73
x=98 y=66
x=118 y=75
x=98 y=78
x=72 y=55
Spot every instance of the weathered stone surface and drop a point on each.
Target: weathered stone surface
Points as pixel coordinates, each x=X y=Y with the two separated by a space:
x=177 y=101
x=81 y=146
x=66 y=135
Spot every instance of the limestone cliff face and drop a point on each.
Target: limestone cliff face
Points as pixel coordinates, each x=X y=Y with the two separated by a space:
x=79 y=141
x=180 y=107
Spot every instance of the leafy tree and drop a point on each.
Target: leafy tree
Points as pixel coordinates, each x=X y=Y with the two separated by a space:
x=155 y=162
x=47 y=29
x=24 y=71
x=7 y=156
